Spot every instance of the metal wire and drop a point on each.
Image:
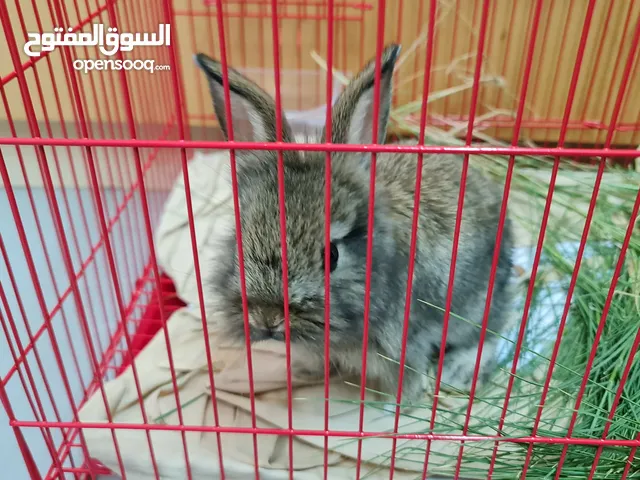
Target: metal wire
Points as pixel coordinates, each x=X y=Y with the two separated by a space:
x=102 y=150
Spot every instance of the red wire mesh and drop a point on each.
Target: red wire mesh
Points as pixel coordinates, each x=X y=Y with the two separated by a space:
x=87 y=162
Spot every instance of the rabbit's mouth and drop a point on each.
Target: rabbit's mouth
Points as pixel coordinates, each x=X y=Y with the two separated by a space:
x=268 y=322
x=262 y=335
x=266 y=330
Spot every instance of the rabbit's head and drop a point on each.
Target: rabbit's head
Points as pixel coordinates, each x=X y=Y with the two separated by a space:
x=253 y=118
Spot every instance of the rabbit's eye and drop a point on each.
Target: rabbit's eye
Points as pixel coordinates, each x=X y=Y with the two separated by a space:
x=333 y=257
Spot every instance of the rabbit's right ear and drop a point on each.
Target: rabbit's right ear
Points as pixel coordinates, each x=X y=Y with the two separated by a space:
x=253 y=111
x=353 y=119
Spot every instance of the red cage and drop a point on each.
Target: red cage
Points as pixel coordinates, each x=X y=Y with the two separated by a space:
x=89 y=159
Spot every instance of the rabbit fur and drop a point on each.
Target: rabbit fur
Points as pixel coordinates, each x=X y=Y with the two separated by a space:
x=253 y=115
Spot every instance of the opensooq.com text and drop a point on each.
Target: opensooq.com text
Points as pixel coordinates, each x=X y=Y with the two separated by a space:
x=89 y=65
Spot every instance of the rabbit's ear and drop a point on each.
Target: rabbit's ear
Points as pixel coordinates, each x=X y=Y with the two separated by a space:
x=253 y=111
x=352 y=119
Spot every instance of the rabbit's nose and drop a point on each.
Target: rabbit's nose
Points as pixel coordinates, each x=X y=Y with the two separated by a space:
x=264 y=326
x=271 y=319
x=276 y=324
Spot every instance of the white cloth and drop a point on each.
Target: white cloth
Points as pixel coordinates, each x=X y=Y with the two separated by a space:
x=213 y=209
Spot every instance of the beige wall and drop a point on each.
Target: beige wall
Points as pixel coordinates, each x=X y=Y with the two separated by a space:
x=249 y=43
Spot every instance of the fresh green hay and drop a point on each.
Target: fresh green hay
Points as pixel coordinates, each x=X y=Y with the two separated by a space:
x=608 y=228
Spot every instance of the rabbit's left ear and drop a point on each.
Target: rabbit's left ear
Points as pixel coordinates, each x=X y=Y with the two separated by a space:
x=352 y=119
x=253 y=111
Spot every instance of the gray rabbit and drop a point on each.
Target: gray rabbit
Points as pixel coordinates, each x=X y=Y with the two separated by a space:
x=253 y=116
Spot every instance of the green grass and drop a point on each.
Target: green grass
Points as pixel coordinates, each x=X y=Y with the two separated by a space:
x=606 y=235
